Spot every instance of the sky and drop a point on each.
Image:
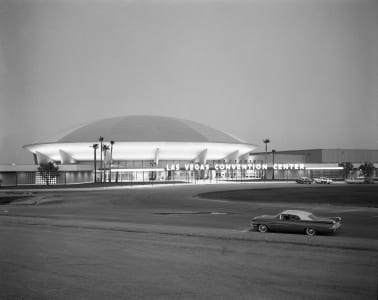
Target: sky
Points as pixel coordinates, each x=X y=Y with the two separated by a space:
x=302 y=73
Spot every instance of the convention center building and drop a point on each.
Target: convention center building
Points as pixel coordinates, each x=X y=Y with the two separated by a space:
x=160 y=149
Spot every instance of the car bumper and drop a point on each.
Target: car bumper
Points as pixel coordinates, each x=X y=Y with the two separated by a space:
x=335 y=227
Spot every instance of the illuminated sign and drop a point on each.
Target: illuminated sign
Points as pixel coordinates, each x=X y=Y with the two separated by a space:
x=241 y=167
x=288 y=166
x=221 y=167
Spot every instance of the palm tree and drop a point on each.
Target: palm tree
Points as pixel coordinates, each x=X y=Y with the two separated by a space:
x=111 y=160
x=105 y=148
x=347 y=168
x=266 y=142
x=95 y=146
x=367 y=169
x=48 y=171
x=101 y=139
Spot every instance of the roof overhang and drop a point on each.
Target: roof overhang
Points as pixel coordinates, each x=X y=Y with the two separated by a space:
x=143 y=150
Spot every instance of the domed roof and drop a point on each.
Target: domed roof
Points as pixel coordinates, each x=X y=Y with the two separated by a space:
x=147 y=129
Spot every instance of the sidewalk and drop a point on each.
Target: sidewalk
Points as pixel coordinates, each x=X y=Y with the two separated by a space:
x=70 y=188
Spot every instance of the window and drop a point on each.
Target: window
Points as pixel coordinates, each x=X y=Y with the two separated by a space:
x=294 y=218
x=290 y=218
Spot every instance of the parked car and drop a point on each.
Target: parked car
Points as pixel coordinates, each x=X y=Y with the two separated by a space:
x=304 y=180
x=296 y=221
x=323 y=180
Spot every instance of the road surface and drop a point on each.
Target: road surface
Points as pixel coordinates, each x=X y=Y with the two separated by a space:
x=168 y=243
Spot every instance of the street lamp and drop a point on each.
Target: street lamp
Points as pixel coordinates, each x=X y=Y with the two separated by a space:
x=111 y=160
x=273 y=152
x=101 y=139
x=266 y=142
x=95 y=146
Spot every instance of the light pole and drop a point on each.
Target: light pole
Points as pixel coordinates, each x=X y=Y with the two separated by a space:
x=101 y=139
x=111 y=160
x=266 y=142
x=95 y=146
x=273 y=152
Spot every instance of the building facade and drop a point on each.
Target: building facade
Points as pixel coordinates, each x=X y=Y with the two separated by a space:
x=317 y=162
x=156 y=149
x=138 y=148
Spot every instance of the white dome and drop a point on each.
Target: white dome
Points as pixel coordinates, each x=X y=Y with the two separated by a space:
x=143 y=138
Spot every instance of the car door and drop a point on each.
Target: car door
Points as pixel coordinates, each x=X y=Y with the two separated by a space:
x=276 y=224
x=282 y=223
x=289 y=223
x=296 y=224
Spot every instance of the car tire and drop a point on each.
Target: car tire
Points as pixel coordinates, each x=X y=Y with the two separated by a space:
x=262 y=228
x=310 y=231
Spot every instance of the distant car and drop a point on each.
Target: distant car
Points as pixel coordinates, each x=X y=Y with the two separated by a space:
x=323 y=180
x=296 y=221
x=304 y=180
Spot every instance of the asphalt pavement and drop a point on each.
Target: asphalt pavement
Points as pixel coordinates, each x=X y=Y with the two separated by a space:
x=174 y=242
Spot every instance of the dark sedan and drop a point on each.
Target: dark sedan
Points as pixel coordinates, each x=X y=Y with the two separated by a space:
x=296 y=221
x=304 y=180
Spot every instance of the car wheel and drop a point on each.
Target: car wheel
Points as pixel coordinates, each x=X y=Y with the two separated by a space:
x=310 y=231
x=263 y=228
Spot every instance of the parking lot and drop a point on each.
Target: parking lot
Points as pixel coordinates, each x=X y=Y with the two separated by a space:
x=187 y=241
